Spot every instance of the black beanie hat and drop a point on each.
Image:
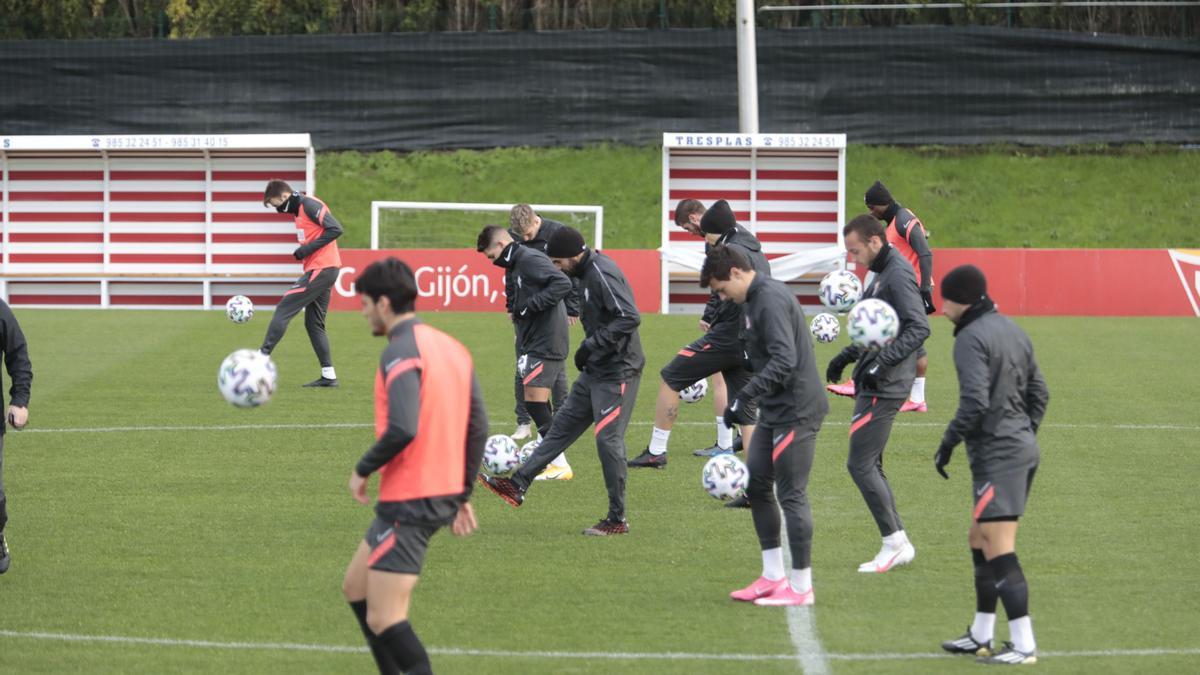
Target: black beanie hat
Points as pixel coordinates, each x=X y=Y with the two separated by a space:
x=565 y=243
x=878 y=195
x=718 y=219
x=965 y=285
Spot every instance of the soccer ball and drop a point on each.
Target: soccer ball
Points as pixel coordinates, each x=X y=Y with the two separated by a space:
x=527 y=450
x=839 y=290
x=239 y=309
x=825 y=327
x=247 y=378
x=873 y=324
x=725 y=477
x=694 y=392
x=500 y=454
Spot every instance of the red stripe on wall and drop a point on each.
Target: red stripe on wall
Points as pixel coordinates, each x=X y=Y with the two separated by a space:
x=264 y=176
x=258 y=300
x=156 y=196
x=715 y=174
x=797 y=195
x=798 y=216
x=55 y=175
x=157 y=258
x=156 y=175
x=56 y=258
x=255 y=197
x=176 y=300
x=31 y=237
x=38 y=299
x=264 y=217
x=87 y=217
x=799 y=237
x=157 y=237
x=252 y=259
x=740 y=215
x=775 y=174
x=157 y=217
x=24 y=196
x=231 y=238
x=710 y=194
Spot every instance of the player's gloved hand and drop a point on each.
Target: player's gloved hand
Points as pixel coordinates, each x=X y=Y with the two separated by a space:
x=736 y=414
x=301 y=252
x=581 y=356
x=927 y=298
x=836 y=365
x=942 y=458
x=870 y=376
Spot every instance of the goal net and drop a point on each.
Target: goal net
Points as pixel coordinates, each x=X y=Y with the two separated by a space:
x=453 y=225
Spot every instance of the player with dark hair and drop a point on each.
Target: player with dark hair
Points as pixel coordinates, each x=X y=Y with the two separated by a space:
x=1002 y=400
x=538 y=289
x=882 y=381
x=719 y=350
x=791 y=406
x=529 y=229
x=317 y=230
x=430 y=426
x=908 y=237
x=20 y=371
x=610 y=362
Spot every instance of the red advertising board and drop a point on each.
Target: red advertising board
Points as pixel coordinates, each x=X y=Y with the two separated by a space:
x=465 y=281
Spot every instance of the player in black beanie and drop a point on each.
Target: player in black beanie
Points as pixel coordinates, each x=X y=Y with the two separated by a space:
x=965 y=285
x=565 y=243
x=718 y=219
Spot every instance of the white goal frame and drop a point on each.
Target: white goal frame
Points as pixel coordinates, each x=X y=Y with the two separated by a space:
x=597 y=211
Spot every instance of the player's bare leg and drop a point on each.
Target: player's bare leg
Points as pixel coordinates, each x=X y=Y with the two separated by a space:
x=916 y=398
x=666 y=410
x=354 y=588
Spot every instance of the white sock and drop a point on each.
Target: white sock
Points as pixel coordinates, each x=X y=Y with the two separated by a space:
x=918 y=391
x=329 y=373
x=773 y=564
x=802 y=580
x=560 y=461
x=1021 y=632
x=658 y=441
x=895 y=539
x=983 y=629
x=724 y=434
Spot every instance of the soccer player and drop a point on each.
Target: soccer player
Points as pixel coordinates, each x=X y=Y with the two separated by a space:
x=317 y=230
x=20 y=371
x=431 y=427
x=529 y=229
x=541 y=323
x=791 y=406
x=907 y=235
x=610 y=363
x=1002 y=400
x=718 y=351
x=882 y=381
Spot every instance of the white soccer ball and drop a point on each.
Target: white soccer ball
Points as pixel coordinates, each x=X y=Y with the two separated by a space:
x=839 y=290
x=239 y=309
x=527 y=450
x=825 y=327
x=500 y=454
x=694 y=392
x=873 y=324
x=247 y=378
x=725 y=477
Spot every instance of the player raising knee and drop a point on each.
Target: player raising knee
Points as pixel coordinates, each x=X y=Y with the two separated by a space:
x=718 y=351
x=610 y=362
x=1001 y=402
x=791 y=406
x=431 y=427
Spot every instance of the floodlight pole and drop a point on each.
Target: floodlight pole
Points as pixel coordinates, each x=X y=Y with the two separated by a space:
x=747 y=61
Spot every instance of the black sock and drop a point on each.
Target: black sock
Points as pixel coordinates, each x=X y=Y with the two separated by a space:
x=382 y=658
x=3 y=513
x=406 y=649
x=1010 y=583
x=985 y=586
x=542 y=417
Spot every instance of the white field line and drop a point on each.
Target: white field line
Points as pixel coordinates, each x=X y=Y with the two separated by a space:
x=616 y=656
x=802 y=627
x=367 y=425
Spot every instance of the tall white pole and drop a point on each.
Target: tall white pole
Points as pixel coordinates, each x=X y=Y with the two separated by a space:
x=747 y=59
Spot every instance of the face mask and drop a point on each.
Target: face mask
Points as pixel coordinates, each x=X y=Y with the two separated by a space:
x=290 y=205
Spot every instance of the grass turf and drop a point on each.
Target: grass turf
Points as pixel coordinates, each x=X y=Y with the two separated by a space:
x=994 y=196
x=241 y=534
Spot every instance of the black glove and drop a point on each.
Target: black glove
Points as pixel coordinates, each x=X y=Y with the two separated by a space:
x=301 y=252
x=737 y=414
x=870 y=376
x=581 y=356
x=927 y=298
x=836 y=365
x=942 y=458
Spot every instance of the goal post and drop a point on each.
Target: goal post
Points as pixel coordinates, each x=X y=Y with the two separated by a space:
x=453 y=225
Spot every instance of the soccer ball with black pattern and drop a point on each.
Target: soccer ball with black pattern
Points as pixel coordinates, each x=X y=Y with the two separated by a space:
x=501 y=454
x=694 y=392
x=527 y=450
x=247 y=378
x=725 y=477
x=825 y=327
x=839 y=290
x=239 y=309
x=873 y=324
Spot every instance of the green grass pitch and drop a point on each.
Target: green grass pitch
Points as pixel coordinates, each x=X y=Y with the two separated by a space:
x=218 y=531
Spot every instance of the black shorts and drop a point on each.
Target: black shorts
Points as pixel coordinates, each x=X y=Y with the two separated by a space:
x=538 y=372
x=397 y=547
x=1002 y=497
x=700 y=360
